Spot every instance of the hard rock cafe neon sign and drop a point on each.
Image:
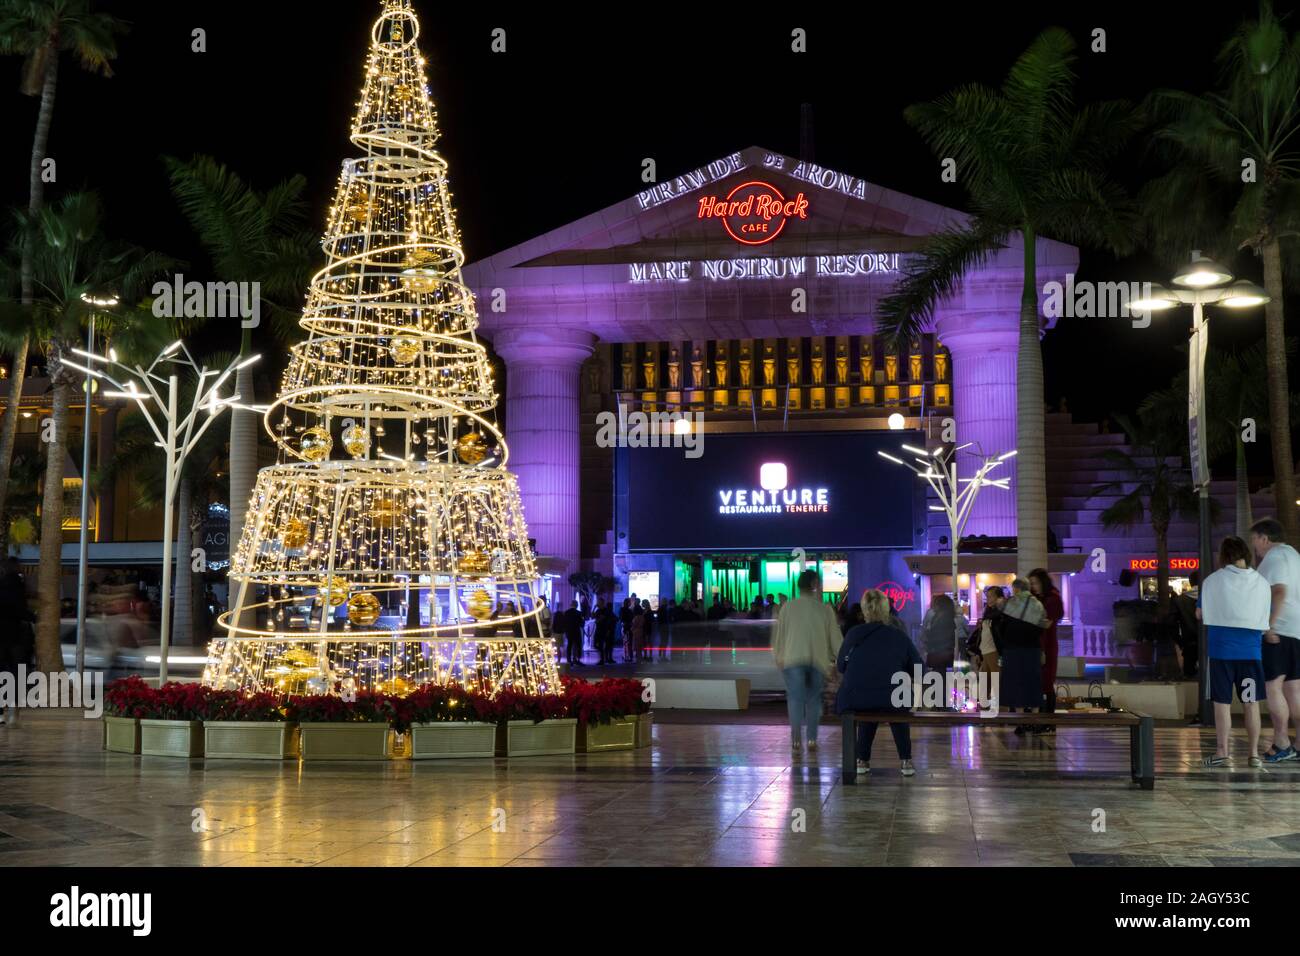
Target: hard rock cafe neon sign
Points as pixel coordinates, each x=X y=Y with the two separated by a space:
x=897 y=594
x=755 y=212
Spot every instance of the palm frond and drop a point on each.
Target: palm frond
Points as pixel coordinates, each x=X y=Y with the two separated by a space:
x=934 y=273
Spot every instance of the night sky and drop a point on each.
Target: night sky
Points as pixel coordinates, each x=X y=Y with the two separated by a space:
x=557 y=127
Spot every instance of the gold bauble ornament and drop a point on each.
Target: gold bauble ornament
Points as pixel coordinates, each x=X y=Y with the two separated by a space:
x=363 y=609
x=334 y=587
x=471 y=449
x=479 y=605
x=295 y=534
x=315 y=444
x=384 y=514
x=419 y=279
x=397 y=686
x=356 y=441
x=421 y=256
x=299 y=657
x=330 y=349
x=405 y=349
x=402 y=93
x=358 y=210
x=474 y=562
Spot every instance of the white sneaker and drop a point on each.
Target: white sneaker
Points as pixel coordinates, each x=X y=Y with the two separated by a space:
x=908 y=769
x=863 y=767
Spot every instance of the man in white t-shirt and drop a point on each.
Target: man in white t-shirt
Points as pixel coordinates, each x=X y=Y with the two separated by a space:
x=1279 y=563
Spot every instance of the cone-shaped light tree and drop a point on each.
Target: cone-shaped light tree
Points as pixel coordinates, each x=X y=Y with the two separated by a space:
x=388 y=547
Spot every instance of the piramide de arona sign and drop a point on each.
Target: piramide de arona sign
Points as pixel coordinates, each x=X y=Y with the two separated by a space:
x=754 y=212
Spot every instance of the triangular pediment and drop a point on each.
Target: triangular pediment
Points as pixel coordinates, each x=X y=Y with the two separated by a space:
x=845 y=213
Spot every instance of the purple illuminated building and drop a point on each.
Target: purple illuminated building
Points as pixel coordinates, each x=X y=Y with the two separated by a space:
x=767 y=326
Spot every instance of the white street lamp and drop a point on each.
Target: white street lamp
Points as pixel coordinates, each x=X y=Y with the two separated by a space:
x=1200 y=283
x=176 y=436
x=96 y=300
x=956 y=495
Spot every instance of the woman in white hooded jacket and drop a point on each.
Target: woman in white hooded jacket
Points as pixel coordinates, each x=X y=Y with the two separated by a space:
x=1235 y=603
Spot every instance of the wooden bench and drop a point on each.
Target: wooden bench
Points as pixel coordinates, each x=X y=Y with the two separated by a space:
x=1141 y=732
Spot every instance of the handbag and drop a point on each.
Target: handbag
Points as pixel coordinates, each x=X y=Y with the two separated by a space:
x=1100 y=700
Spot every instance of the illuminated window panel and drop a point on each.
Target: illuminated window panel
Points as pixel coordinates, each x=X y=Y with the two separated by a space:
x=818 y=398
x=943 y=395
x=768 y=397
x=915 y=394
x=867 y=394
x=841 y=398
x=891 y=394
x=796 y=398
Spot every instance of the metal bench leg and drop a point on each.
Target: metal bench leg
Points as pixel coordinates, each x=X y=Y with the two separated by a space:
x=1147 y=753
x=1134 y=748
x=849 y=768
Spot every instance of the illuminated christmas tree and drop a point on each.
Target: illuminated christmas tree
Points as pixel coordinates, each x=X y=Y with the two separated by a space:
x=387 y=548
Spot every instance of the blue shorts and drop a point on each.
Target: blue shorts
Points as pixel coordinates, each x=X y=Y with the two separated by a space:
x=1225 y=675
x=1282 y=659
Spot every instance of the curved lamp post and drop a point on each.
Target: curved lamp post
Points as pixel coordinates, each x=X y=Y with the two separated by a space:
x=1200 y=283
x=176 y=436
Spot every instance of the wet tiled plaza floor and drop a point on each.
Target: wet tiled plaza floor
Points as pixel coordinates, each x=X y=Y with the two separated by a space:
x=708 y=793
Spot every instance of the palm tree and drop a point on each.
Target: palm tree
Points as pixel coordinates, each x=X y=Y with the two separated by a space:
x=71 y=258
x=1157 y=484
x=250 y=236
x=1236 y=390
x=41 y=30
x=1034 y=165
x=1210 y=197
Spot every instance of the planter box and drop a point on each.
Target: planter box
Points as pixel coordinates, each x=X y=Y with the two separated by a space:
x=122 y=735
x=171 y=738
x=250 y=739
x=352 y=740
x=644 y=729
x=452 y=739
x=523 y=738
x=618 y=734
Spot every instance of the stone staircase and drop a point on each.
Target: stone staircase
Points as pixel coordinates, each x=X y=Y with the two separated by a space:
x=1076 y=464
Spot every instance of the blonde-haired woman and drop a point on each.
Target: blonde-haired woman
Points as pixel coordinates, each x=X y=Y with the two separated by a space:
x=872 y=653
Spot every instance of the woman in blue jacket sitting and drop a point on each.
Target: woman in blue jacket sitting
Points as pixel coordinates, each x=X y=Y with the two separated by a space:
x=872 y=653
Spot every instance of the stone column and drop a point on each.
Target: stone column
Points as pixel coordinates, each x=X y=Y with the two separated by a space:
x=542 y=422
x=983 y=346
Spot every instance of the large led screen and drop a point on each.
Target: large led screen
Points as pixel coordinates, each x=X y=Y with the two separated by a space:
x=826 y=490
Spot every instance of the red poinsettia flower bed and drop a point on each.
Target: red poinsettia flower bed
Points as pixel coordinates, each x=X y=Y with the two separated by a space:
x=591 y=703
x=327 y=709
x=515 y=705
x=132 y=697
x=439 y=703
x=603 y=701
